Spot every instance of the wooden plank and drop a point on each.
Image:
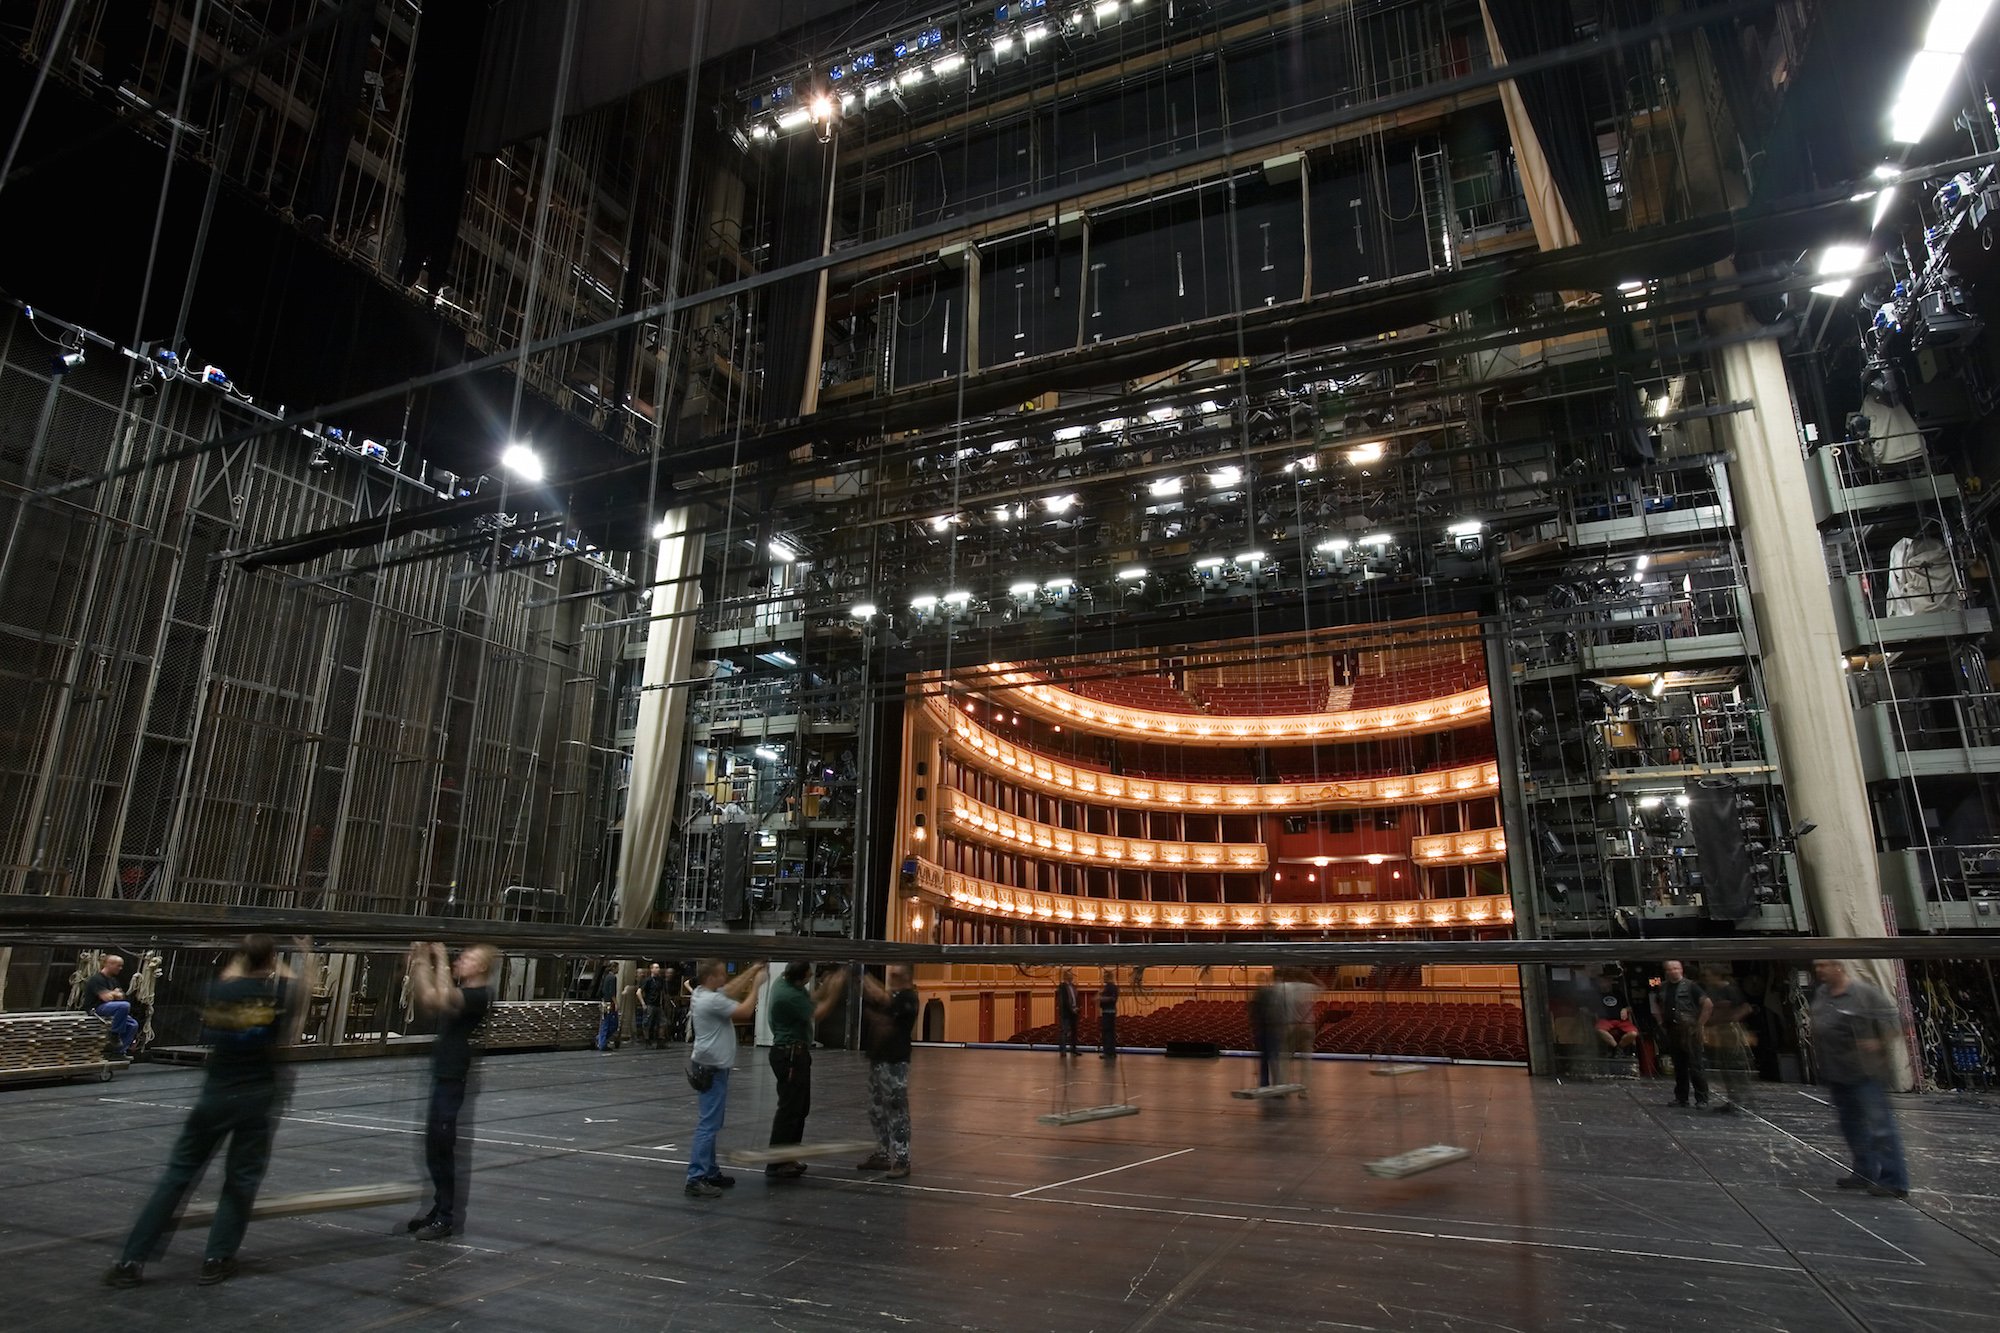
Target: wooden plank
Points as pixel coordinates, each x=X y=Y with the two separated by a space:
x=1087 y=1114
x=798 y=1152
x=1270 y=1092
x=318 y=1201
x=1417 y=1161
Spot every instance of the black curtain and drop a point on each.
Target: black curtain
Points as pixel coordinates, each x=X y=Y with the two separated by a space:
x=803 y=167
x=434 y=153
x=1725 y=862
x=1558 y=105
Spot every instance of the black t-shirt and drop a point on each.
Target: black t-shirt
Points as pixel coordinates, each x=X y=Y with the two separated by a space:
x=890 y=1028
x=1107 y=998
x=95 y=989
x=1680 y=1001
x=650 y=988
x=607 y=987
x=243 y=1020
x=451 y=1053
x=1611 y=1005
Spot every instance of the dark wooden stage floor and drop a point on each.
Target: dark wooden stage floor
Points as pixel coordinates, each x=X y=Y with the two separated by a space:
x=1584 y=1206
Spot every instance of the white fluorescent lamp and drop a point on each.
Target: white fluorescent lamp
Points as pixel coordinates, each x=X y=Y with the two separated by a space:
x=1026 y=588
x=783 y=658
x=1365 y=453
x=1658 y=687
x=923 y=603
x=1068 y=433
x=766 y=752
x=1888 y=171
x=1650 y=802
x=958 y=597
x=1059 y=504
x=780 y=551
x=1841 y=260
x=1059 y=583
x=1954 y=23
x=1111 y=425
x=864 y=611
x=1225 y=476
x=944 y=65
x=1133 y=574
x=1334 y=545
x=1378 y=539
x=522 y=461
x=1211 y=562
x=1465 y=527
x=1162 y=414
x=1932 y=77
x=1250 y=558
x=794 y=118
x=1639 y=565
x=1166 y=486
x=1635 y=285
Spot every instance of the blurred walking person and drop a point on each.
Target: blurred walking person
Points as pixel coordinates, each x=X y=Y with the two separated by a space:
x=459 y=991
x=892 y=1018
x=1067 y=1013
x=1852 y=1026
x=719 y=1004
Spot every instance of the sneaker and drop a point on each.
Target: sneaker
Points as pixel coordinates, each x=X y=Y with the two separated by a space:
x=721 y=1181
x=124 y=1273
x=437 y=1230
x=1850 y=1183
x=900 y=1171
x=1884 y=1192
x=216 y=1270
x=419 y=1223
x=701 y=1189
x=880 y=1161
x=784 y=1170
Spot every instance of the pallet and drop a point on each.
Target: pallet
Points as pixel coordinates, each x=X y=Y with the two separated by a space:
x=1272 y=1092
x=1087 y=1114
x=1417 y=1161
x=318 y=1201
x=798 y=1152
x=1398 y=1070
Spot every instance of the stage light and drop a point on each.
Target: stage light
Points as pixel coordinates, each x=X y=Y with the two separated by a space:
x=947 y=64
x=1633 y=287
x=1839 y=259
x=1883 y=203
x=1363 y=454
x=1888 y=171
x=1059 y=504
x=864 y=611
x=767 y=753
x=1465 y=527
x=1250 y=558
x=1639 y=565
x=1954 y=23
x=794 y=118
x=1134 y=573
x=1378 y=539
x=1658 y=686
x=522 y=461
x=1003 y=44
x=1159 y=416
x=1334 y=545
x=958 y=597
x=1931 y=78
x=1025 y=588
x=1060 y=583
x=821 y=108
x=1650 y=802
x=1225 y=476
x=1035 y=34
x=780 y=551
x=1211 y=562
x=941 y=522
x=1106 y=9
x=1166 y=486
x=760 y=131
x=66 y=360
x=923 y=603
x=911 y=77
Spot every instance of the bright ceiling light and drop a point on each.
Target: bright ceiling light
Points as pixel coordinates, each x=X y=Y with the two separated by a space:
x=1166 y=486
x=1465 y=527
x=1250 y=558
x=1931 y=78
x=1059 y=583
x=923 y=603
x=766 y=752
x=794 y=118
x=958 y=597
x=780 y=551
x=1058 y=504
x=941 y=522
x=1003 y=44
x=1377 y=539
x=821 y=108
x=910 y=77
x=1635 y=285
x=1639 y=565
x=1888 y=171
x=522 y=461
x=1106 y=9
x=864 y=611
x=1225 y=476
x=1211 y=562
x=1334 y=545
x=1954 y=23
x=1134 y=573
x=1362 y=454
x=1162 y=414
x=662 y=530
x=1841 y=260
x=947 y=64
x=1027 y=588
x=1068 y=433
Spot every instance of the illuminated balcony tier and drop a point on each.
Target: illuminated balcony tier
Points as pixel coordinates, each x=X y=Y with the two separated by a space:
x=1473 y=847
x=1030 y=693
x=947 y=889
x=982 y=823
x=976 y=745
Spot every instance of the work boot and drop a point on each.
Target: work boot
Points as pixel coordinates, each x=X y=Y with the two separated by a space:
x=216 y=1270
x=124 y=1273
x=880 y=1161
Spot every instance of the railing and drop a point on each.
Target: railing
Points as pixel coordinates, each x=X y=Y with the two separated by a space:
x=1945 y=722
x=983 y=823
x=968 y=893
x=1476 y=847
x=1018 y=764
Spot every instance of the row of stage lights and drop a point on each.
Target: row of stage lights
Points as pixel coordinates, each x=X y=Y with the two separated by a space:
x=1020 y=29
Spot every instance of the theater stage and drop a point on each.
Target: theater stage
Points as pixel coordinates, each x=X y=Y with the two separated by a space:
x=1583 y=1206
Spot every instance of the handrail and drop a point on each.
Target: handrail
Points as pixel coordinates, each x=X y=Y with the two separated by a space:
x=984 y=823
x=1474 y=847
x=969 y=893
x=1004 y=759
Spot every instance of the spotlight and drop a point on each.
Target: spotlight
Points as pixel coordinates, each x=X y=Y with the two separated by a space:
x=1134 y=573
x=1026 y=588
x=522 y=461
x=864 y=611
x=1166 y=486
x=66 y=360
x=1363 y=454
x=1837 y=264
x=781 y=552
x=765 y=752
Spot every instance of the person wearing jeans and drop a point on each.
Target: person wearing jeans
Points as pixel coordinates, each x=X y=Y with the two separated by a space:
x=717 y=1006
x=1852 y=1023
x=104 y=997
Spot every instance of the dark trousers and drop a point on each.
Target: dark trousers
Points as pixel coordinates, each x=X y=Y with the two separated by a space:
x=1107 y=1035
x=1684 y=1047
x=1869 y=1127
x=649 y=1025
x=793 y=1066
x=1270 y=1045
x=1066 y=1034
x=245 y=1115
x=441 y=1149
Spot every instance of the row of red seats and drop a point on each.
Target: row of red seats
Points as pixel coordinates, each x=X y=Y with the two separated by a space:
x=1477 y=1031
x=1408 y=685
x=1148 y=692
x=1291 y=697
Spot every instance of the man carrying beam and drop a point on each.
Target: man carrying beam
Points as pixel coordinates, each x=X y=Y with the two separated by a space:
x=459 y=992
x=253 y=1007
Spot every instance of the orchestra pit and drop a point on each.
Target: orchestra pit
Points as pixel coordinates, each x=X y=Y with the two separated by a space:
x=1063 y=664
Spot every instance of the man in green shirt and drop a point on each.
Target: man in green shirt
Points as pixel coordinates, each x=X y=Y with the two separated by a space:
x=795 y=1012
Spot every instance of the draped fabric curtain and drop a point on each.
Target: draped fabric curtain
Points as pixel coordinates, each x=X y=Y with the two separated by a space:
x=1549 y=114
x=657 y=751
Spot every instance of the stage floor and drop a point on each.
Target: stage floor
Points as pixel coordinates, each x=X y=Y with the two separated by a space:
x=1583 y=1206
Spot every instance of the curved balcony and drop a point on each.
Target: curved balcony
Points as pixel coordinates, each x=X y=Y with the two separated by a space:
x=970 y=894
x=1473 y=847
x=983 y=823
x=1016 y=763
x=1031 y=693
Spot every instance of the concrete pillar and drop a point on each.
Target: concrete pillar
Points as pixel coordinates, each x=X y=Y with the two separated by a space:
x=1810 y=712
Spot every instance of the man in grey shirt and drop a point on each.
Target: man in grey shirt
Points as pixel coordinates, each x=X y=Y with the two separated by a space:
x=1852 y=1023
